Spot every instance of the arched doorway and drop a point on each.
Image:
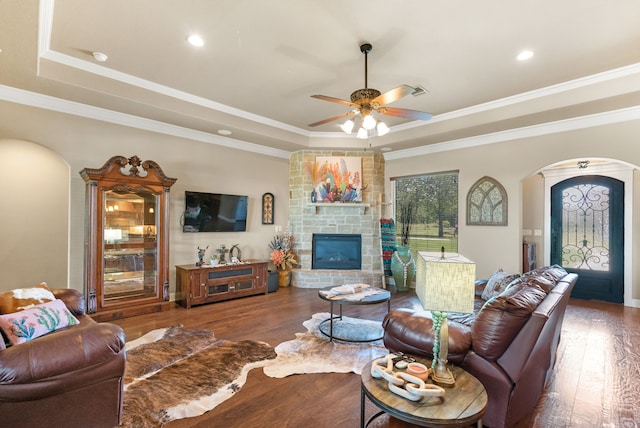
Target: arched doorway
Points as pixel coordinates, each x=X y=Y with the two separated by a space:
x=35 y=218
x=579 y=172
x=587 y=234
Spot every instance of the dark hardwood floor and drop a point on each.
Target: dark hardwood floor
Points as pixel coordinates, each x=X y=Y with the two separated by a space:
x=596 y=382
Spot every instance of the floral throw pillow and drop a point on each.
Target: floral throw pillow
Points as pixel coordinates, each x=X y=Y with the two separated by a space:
x=23 y=326
x=497 y=283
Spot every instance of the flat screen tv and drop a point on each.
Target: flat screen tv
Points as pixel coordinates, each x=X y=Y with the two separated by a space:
x=214 y=212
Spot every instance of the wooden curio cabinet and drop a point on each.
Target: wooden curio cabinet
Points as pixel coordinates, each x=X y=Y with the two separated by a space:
x=127 y=238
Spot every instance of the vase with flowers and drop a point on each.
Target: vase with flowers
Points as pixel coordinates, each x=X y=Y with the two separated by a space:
x=283 y=257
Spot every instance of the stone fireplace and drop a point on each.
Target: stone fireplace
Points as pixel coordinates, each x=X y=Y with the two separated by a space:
x=307 y=219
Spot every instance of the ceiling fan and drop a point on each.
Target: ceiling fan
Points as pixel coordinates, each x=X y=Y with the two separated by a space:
x=368 y=100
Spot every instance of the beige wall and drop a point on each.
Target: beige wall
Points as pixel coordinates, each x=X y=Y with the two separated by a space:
x=200 y=166
x=512 y=163
x=34 y=216
x=476 y=242
x=79 y=143
x=533 y=213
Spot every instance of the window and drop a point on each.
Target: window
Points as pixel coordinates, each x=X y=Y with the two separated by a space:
x=426 y=211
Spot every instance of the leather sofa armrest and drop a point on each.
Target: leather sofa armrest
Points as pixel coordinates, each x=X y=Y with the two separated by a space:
x=412 y=332
x=60 y=352
x=73 y=299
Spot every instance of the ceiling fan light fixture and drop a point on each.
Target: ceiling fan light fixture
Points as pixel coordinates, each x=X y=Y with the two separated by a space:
x=382 y=129
x=362 y=133
x=347 y=127
x=365 y=101
x=368 y=122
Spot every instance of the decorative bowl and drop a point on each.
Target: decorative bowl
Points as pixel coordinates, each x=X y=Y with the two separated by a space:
x=418 y=370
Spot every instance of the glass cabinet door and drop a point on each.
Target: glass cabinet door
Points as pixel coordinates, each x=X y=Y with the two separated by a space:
x=130 y=266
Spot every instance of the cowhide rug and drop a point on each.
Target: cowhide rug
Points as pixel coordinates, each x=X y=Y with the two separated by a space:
x=175 y=373
x=311 y=352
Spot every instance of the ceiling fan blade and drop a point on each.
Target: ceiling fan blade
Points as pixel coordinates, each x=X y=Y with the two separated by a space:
x=393 y=95
x=406 y=113
x=331 y=119
x=334 y=100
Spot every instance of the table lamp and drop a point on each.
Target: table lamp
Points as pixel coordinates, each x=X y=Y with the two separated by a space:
x=444 y=283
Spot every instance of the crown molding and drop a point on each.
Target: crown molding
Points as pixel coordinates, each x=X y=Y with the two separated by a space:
x=33 y=99
x=46 y=11
x=582 y=82
x=128 y=79
x=582 y=122
x=44 y=38
x=45 y=52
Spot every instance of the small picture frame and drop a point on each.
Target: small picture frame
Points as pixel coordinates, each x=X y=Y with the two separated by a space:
x=267 y=208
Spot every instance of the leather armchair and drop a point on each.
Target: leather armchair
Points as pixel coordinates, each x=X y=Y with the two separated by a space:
x=72 y=377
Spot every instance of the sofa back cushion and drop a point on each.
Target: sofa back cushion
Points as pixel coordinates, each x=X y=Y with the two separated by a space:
x=553 y=273
x=536 y=280
x=502 y=317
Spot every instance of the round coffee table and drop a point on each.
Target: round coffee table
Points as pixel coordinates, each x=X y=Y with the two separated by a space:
x=463 y=405
x=380 y=296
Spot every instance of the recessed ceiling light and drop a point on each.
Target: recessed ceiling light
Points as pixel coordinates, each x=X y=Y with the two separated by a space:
x=524 y=55
x=100 y=57
x=195 y=40
x=385 y=149
x=224 y=132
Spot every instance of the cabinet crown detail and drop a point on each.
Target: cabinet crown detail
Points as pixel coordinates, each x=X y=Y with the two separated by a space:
x=130 y=168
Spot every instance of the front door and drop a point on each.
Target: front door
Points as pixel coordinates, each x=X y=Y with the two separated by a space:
x=587 y=235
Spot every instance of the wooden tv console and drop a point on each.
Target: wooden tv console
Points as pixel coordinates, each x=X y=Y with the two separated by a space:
x=196 y=285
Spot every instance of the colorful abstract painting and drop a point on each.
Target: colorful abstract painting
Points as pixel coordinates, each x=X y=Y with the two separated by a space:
x=337 y=179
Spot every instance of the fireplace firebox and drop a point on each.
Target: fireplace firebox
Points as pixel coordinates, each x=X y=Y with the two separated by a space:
x=336 y=251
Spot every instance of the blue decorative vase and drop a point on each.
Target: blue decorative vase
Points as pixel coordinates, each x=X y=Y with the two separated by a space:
x=403 y=267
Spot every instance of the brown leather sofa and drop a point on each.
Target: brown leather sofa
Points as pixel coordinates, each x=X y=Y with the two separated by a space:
x=509 y=343
x=72 y=377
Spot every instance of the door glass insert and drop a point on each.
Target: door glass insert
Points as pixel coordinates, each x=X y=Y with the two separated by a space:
x=585 y=227
x=130 y=269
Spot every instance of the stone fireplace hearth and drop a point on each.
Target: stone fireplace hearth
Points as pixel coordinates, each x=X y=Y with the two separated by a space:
x=307 y=218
